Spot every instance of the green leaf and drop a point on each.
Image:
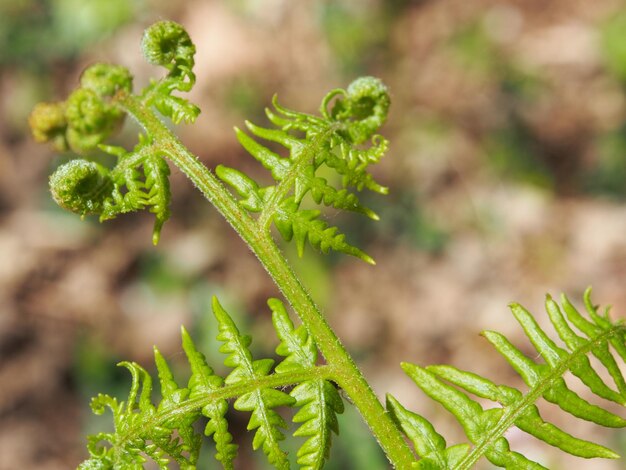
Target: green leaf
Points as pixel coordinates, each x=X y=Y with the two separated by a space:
x=601 y=351
x=246 y=187
x=202 y=382
x=318 y=400
x=485 y=428
x=428 y=443
x=273 y=162
x=319 y=404
x=296 y=346
x=303 y=225
x=176 y=108
x=158 y=196
x=581 y=367
x=259 y=402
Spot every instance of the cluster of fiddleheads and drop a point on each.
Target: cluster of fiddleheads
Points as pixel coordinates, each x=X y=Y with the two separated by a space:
x=343 y=142
x=91 y=114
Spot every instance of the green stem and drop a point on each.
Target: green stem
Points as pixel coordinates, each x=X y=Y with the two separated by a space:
x=348 y=375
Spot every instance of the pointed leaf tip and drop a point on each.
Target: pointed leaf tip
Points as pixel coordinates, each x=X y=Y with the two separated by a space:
x=368 y=259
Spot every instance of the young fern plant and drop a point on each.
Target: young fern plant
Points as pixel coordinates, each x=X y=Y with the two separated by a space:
x=342 y=139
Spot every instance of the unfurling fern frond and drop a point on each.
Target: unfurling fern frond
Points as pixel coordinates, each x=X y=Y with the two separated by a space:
x=93 y=113
x=167 y=44
x=166 y=433
x=138 y=181
x=485 y=428
x=335 y=140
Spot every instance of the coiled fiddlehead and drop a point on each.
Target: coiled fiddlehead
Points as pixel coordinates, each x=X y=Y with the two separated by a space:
x=167 y=44
x=81 y=186
x=485 y=428
x=88 y=117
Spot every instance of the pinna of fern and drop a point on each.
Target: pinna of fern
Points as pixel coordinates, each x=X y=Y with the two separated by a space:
x=166 y=432
x=485 y=428
x=343 y=139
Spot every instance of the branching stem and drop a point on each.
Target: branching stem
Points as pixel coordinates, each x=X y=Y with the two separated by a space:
x=346 y=373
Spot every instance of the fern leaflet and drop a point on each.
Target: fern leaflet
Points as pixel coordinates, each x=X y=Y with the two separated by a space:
x=166 y=432
x=260 y=403
x=318 y=399
x=202 y=381
x=485 y=428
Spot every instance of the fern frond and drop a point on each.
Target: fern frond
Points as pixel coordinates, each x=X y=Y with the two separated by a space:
x=260 y=403
x=131 y=418
x=335 y=140
x=167 y=44
x=318 y=399
x=485 y=428
x=165 y=432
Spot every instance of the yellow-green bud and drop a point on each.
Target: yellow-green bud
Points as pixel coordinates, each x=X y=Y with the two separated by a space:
x=47 y=123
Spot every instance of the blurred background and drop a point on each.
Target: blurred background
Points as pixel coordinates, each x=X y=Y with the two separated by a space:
x=507 y=172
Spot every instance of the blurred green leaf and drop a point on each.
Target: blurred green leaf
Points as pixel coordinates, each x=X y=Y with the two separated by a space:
x=512 y=152
x=35 y=33
x=609 y=175
x=613 y=43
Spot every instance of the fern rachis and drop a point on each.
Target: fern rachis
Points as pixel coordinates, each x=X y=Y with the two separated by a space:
x=342 y=139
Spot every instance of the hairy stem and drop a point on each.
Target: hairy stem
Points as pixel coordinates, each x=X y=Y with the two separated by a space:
x=259 y=240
